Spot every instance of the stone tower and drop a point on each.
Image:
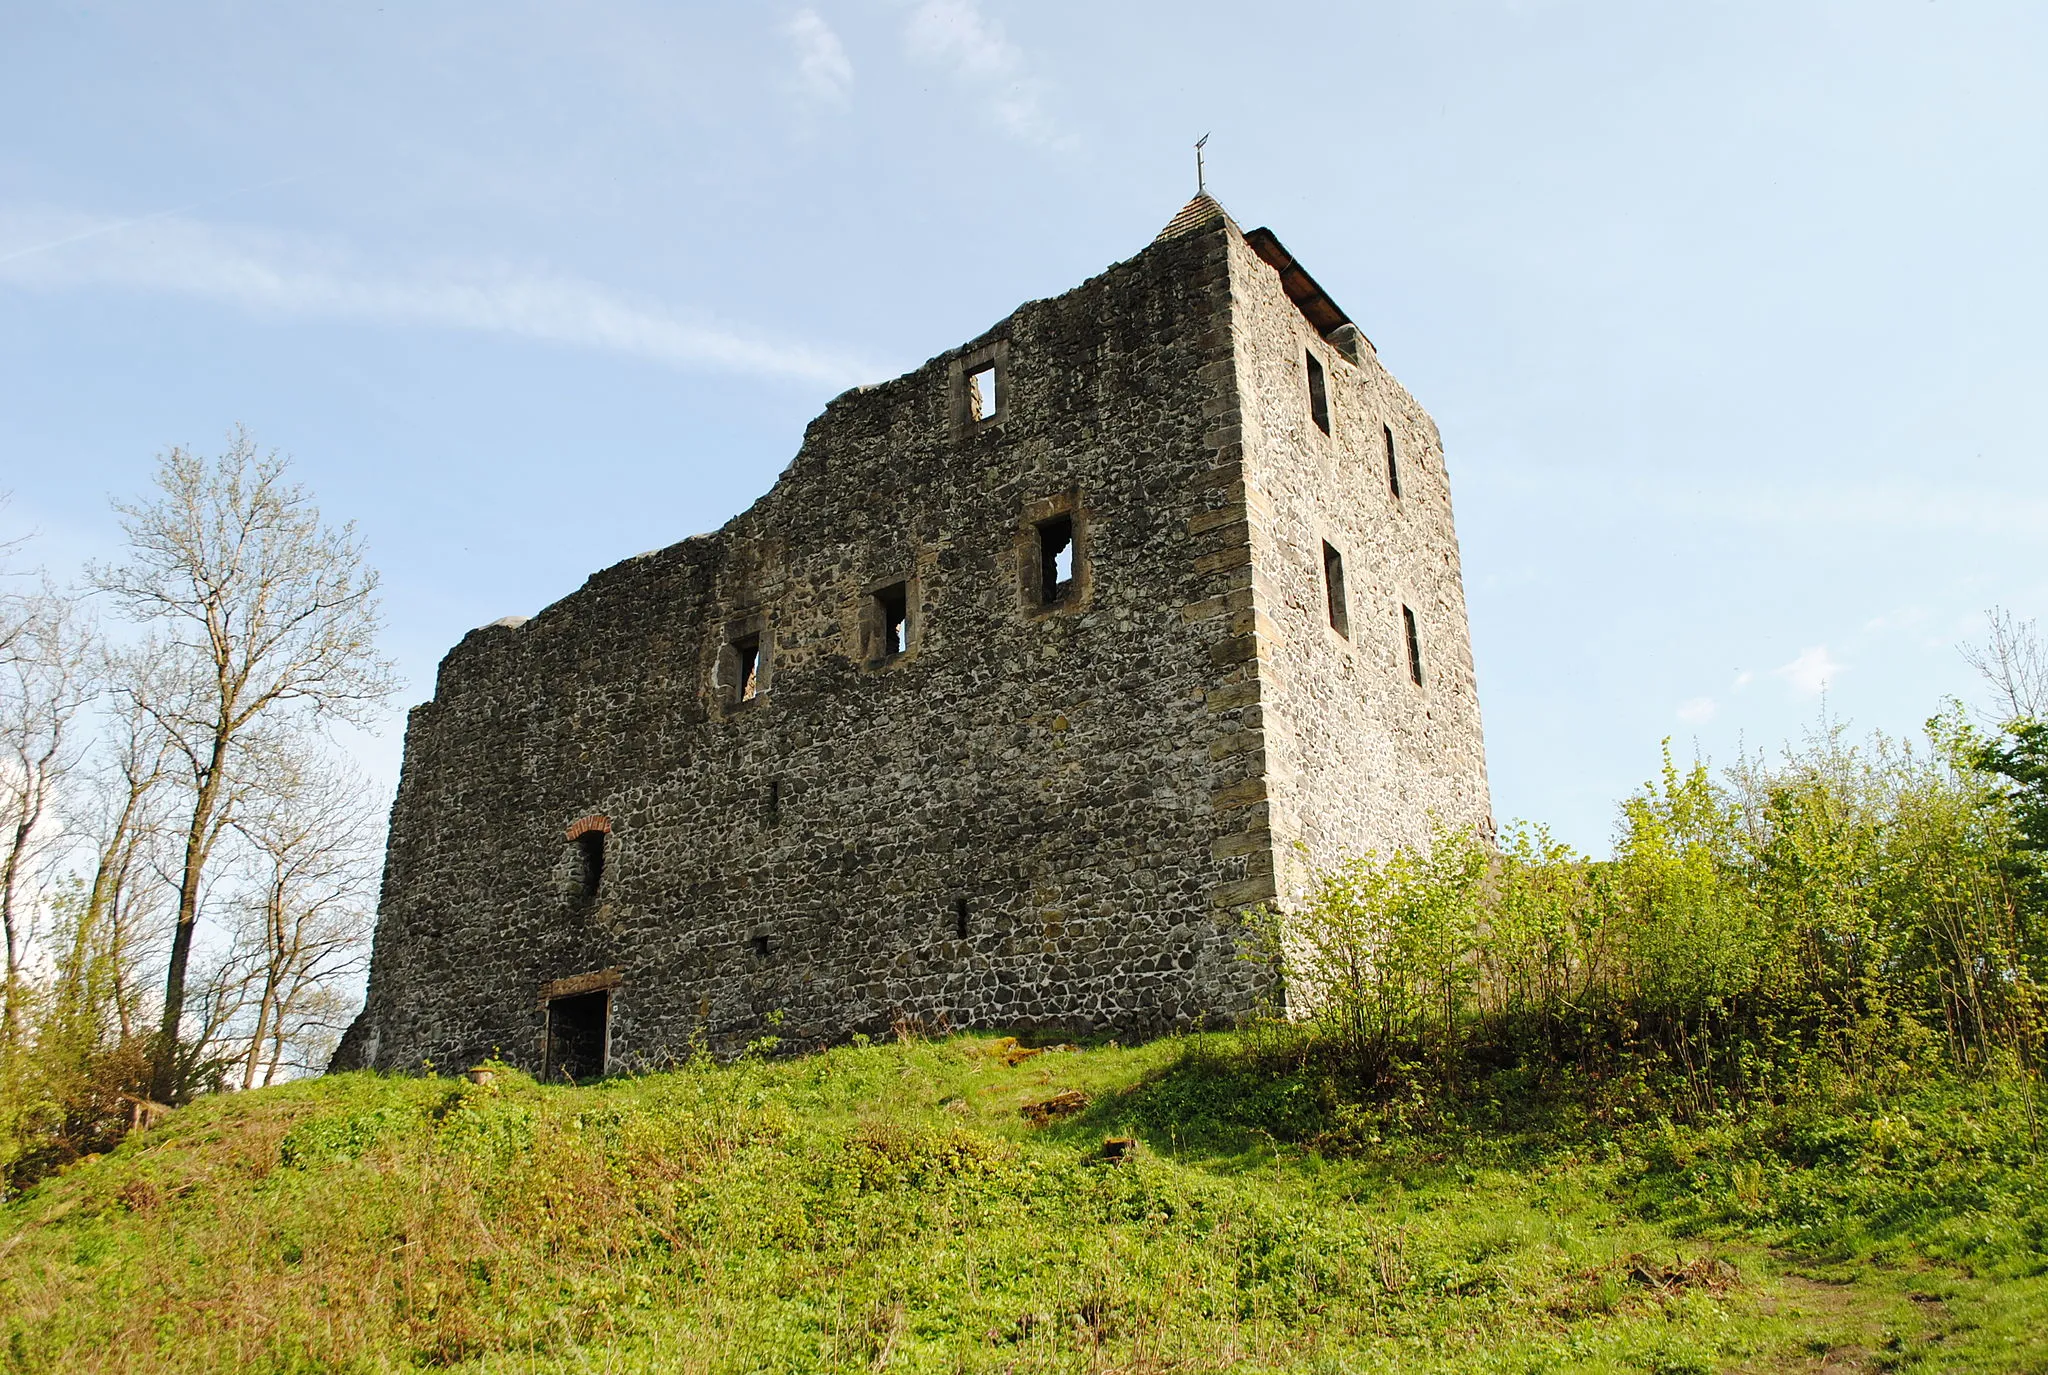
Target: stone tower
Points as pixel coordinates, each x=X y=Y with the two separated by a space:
x=1035 y=668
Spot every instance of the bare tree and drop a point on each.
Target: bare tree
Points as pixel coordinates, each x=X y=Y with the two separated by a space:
x=218 y=997
x=312 y=842
x=311 y=1022
x=122 y=814
x=269 y=622
x=14 y=607
x=47 y=681
x=2012 y=661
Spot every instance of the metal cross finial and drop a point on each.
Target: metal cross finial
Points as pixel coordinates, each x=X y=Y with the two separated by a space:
x=1200 y=188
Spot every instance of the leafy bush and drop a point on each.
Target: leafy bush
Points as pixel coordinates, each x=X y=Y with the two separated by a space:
x=1844 y=912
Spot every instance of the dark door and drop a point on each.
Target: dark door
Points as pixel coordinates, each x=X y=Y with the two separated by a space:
x=577 y=1028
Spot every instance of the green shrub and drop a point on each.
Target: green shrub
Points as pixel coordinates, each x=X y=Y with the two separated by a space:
x=1846 y=913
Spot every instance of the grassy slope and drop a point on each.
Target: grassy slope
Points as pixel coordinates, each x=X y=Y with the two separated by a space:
x=888 y=1207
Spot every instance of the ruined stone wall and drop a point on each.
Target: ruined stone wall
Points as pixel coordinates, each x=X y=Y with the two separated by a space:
x=1032 y=816
x=1359 y=756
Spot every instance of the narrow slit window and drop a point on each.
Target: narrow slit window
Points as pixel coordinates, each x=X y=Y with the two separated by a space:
x=1393 y=461
x=1318 y=395
x=960 y=918
x=746 y=655
x=772 y=812
x=1055 y=560
x=590 y=862
x=892 y=619
x=1414 y=646
x=1333 y=589
x=981 y=393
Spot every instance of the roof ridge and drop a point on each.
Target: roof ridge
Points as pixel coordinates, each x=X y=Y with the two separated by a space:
x=1203 y=209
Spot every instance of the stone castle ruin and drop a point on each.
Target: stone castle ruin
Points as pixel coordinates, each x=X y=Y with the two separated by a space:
x=1035 y=668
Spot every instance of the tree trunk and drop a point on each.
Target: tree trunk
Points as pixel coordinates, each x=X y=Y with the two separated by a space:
x=28 y=813
x=198 y=841
x=118 y=939
x=273 y=965
x=80 y=994
x=10 y=882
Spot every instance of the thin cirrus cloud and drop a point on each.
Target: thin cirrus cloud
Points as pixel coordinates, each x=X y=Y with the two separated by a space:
x=824 y=73
x=956 y=37
x=1894 y=505
x=267 y=272
x=1811 y=672
x=1697 y=711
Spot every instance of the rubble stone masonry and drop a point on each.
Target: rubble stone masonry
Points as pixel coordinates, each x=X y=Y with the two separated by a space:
x=982 y=716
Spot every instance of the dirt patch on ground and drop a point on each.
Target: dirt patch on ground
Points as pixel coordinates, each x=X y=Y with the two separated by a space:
x=1840 y=1326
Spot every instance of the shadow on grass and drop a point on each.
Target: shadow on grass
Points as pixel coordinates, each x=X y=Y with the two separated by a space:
x=1231 y=1106
x=1212 y=1103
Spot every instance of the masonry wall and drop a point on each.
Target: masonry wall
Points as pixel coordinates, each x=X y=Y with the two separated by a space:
x=1084 y=782
x=1359 y=756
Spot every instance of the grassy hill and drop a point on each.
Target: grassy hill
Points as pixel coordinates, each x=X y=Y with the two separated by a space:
x=897 y=1207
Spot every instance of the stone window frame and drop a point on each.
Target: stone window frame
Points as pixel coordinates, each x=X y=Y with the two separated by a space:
x=1315 y=377
x=994 y=354
x=1327 y=545
x=725 y=669
x=1030 y=591
x=581 y=890
x=1410 y=650
x=870 y=621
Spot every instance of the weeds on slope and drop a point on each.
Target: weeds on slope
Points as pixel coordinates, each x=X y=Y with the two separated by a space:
x=892 y=1207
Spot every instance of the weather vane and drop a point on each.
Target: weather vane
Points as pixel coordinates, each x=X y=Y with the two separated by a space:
x=1201 y=189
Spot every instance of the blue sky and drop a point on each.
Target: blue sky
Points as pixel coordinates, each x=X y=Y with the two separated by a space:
x=1731 y=314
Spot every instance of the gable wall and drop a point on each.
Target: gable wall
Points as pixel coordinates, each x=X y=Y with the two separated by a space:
x=1359 y=757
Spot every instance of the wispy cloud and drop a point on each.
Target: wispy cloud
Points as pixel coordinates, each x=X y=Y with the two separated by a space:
x=824 y=73
x=263 y=271
x=1697 y=711
x=1811 y=672
x=1893 y=505
x=956 y=36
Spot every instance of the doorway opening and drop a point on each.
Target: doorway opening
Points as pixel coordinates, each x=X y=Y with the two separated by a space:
x=579 y=1035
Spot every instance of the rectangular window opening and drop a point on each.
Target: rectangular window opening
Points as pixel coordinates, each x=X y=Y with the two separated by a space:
x=762 y=944
x=1393 y=462
x=1414 y=646
x=892 y=619
x=590 y=862
x=747 y=668
x=1333 y=588
x=1318 y=395
x=579 y=1032
x=960 y=918
x=1055 y=559
x=773 y=810
x=981 y=393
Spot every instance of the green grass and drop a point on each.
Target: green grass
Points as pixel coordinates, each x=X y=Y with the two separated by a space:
x=889 y=1207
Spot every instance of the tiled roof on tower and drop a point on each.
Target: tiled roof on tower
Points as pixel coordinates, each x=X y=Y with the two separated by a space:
x=1315 y=303
x=1202 y=210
